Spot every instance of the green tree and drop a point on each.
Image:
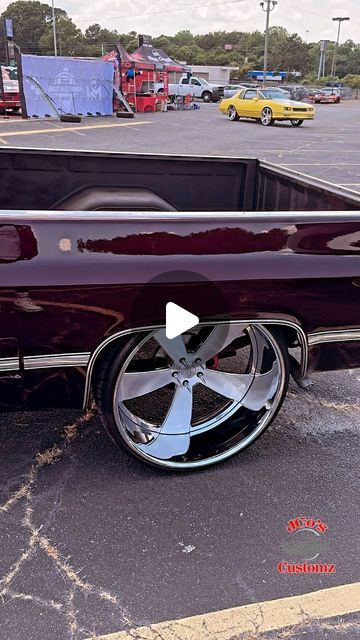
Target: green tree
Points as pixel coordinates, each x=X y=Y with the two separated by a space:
x=31 y=20
x=99 y=41
x=70 y=40
x=353 y=81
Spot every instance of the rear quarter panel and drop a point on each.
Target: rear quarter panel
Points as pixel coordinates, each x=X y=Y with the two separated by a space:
x=93 y=275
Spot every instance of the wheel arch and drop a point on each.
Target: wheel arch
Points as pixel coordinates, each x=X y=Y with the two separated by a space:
x=292 y=332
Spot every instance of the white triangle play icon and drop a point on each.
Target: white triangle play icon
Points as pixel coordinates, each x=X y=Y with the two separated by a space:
x=178 y=320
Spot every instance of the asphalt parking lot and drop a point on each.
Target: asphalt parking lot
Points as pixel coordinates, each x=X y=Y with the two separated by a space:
x=95 y=543
x=328 y=147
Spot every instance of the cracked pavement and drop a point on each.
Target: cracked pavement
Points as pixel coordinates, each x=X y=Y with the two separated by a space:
x=94 y=542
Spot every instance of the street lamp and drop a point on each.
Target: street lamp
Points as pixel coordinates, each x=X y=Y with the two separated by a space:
x=54 y=28
x=333 y=66
x=307 y=35
x=267 y=6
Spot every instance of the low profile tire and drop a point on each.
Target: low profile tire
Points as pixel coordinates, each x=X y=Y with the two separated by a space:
x=266 y=117
x=206 y=96
x=196 y=400
x=233 y=114
x=297 y=123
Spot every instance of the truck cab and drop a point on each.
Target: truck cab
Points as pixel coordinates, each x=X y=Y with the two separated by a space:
x=197 y=88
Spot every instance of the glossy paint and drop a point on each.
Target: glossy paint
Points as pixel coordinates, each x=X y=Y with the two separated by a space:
x=69 y=281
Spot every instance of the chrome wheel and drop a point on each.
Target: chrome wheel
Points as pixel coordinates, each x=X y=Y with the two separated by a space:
x=199 y=398
x=266 y=117
x=232 y=113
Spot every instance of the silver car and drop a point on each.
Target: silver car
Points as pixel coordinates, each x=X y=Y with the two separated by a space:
x=231 y=89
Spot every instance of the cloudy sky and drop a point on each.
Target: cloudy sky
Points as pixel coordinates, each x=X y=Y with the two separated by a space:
x=168 y=16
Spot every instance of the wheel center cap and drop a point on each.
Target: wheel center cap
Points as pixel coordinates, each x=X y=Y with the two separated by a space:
x=188 y=371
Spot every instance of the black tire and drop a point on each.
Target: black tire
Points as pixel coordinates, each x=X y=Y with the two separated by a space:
x=2 y=111
x=69 y=117
x=125 y=114
x=206 y=96
x=297 y=123
x=105 y=391
x=233 y=114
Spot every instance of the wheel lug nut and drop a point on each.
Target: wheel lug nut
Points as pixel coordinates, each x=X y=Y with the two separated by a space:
x=200 y=375
x=183 y=361
x=198 y=361
x=186 y=383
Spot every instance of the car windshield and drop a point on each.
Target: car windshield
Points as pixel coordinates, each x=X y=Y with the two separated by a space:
x=203 y=81
x=274 y=94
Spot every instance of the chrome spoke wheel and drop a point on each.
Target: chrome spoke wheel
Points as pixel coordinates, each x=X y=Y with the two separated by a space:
x=266 y=117
x=232 y=113
x=200 y=398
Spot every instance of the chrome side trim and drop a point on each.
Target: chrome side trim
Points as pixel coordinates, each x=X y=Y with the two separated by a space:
x=178 y=216
x=47 y=361
x=9 y=364
x=126 y=332
x=57 y=360
x=342 y=335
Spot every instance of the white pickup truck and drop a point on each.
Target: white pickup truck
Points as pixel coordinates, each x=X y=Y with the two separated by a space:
x=198 y=88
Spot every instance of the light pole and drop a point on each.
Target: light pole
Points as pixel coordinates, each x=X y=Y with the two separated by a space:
x=307 y=35
x=333 y=66
x=54 y=28
x=267 y=6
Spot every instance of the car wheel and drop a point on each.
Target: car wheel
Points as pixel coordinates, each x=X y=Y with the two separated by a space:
x=206 y=96
x=297 y=123
x=196 y=400
x=2 y=111
x=232 y=113
x=266 y=118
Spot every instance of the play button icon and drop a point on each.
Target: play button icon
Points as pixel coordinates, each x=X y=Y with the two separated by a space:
x=178 y=320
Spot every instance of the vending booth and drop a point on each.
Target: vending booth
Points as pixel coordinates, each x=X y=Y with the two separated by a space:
x=136 y=78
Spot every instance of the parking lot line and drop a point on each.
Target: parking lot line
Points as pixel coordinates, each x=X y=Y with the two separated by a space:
x=272 y=615
x=7 y=134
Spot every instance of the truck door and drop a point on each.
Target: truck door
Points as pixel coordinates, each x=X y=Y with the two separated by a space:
x=185 y=87
x=196 y=88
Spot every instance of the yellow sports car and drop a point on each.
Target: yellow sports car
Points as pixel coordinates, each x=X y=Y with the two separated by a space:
x=266 y=105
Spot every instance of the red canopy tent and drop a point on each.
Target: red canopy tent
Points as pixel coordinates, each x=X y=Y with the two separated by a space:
x=157 y=57
x=139 y=85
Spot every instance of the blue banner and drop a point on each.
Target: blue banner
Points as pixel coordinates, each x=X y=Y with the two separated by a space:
x=58 y=85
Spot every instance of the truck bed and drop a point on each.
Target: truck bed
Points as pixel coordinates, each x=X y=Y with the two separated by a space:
x=82 y=180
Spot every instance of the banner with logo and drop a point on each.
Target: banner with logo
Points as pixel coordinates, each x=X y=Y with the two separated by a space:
x=54 y=86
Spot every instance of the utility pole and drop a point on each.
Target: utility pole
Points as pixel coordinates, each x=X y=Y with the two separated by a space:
x=307 y=35
x=267 y=6
x=54 y=27
x=323 y=45
x=333 y=66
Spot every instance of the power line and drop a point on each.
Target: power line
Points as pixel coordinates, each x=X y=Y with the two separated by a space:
x=160 y=11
